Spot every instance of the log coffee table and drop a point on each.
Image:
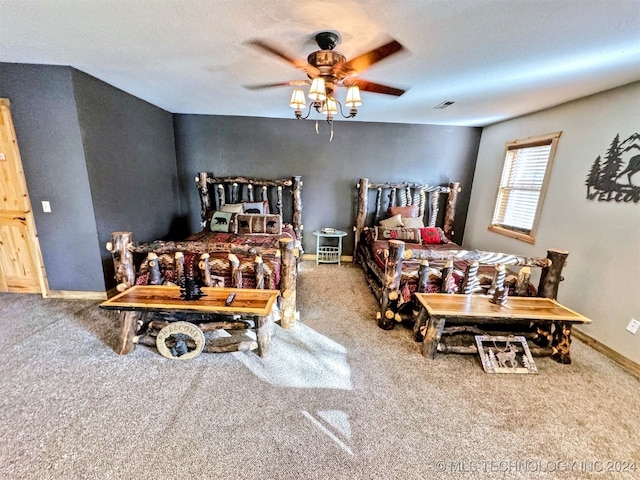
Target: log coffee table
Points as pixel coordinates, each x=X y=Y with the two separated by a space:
x=459 y=309
x=253 y=304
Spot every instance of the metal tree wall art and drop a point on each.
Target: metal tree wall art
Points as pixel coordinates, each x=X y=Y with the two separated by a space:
x=611 y=178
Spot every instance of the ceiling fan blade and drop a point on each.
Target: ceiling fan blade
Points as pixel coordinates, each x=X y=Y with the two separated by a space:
x=294 y=83
x=296 y=62
x=362 y=62
x=367 y=86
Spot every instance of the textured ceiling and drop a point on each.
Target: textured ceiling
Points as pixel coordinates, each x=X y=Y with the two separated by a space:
x=496 y=59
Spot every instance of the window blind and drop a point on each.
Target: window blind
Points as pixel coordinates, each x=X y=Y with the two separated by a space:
x=520 y=185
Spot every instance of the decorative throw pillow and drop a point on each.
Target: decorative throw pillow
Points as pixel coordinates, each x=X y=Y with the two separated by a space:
x=412 y=222
x=432 y=236
x=271 y=224
x=232 y=208
x=222 y=222
x=259 y=208
x=392 y=222
x=410 y=211
x=411 y=235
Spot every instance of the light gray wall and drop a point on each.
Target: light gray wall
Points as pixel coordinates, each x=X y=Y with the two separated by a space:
x=603 y=238
x=273 y=148
x=50 y=141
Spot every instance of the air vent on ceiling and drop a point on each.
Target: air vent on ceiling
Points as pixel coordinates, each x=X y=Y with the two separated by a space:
x=443 y=105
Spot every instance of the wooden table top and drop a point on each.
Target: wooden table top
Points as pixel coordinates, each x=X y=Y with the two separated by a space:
x=166 y=298
x=479 y=306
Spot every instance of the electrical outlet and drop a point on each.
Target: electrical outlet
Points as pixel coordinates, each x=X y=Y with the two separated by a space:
x=633 y=326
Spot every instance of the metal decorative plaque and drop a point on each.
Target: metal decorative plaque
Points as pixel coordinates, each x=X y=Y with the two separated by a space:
x=502 y=354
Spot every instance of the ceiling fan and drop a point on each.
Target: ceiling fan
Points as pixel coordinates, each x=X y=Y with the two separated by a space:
x=328 y=69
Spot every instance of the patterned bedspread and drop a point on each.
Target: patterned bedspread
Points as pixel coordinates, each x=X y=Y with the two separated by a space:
x=410 y=268
x=219 y=262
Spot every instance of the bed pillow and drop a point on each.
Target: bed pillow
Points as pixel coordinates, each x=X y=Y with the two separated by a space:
x=412 y=222
x=392 y=222
x=258 y=208
x=222 y=222
x=410 y=211
x=433 y=236
x=247 y=224
x=232 y=208
x=410 y=235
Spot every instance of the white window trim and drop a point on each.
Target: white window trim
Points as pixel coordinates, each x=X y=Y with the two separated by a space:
x=524 y=143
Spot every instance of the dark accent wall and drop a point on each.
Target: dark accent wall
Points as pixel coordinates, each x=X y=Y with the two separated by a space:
x=269 y=148
x=103 y=158
x=131 y=164
x=44 y=113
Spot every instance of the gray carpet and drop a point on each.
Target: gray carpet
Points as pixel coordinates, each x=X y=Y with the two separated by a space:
x=338 y=398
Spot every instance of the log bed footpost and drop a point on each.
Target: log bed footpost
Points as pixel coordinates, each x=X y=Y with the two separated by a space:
x=450 y=211
x=154 y=269
x=205 y=201
x=204 y=268
x=391 y=287
x=551 y=276
x=122 y=260
x=288 y=275
x=296 y=193
x=258 y=270
x=236 y=274
x=363 y=188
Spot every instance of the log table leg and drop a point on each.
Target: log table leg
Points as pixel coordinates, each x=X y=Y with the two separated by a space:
x=128 y=328
x=419 y=323
x=435 y=326
x=263 y=335
x=561 y=343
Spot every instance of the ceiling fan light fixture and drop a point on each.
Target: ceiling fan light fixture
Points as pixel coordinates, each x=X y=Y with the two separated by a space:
x=297 y=99
x=318 y=90
x=353 y=97
x=329 y=107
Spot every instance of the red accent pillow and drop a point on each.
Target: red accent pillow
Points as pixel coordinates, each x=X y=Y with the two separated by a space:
x=431 y=236
x=410 y=211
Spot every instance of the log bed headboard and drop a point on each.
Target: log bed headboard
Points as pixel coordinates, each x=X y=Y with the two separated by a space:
x=427 y=197
x=217 y=191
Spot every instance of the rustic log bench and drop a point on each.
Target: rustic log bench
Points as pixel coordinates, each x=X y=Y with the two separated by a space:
x=136 y=302
x=473 y=313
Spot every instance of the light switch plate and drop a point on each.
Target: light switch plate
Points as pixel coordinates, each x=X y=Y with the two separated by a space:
x=46 y=206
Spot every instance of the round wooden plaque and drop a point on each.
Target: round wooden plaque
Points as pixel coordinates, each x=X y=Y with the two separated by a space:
x=180 y=328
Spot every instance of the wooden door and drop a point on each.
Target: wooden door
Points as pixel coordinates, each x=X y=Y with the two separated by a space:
x=21 y=266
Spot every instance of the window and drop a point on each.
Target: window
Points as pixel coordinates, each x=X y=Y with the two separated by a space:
x=525 y=174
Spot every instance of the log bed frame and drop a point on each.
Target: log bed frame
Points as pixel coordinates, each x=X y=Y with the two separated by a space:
x=226 y=190
x=385 y=284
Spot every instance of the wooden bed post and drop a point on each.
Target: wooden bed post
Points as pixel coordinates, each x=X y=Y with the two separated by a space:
x=551 y=276
x=288 y=275
x=391 y=287
x=205 y=200
x=204 y=268
x=450 y=212
x=296 y=192
x=122 y=260
x=363 y=189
